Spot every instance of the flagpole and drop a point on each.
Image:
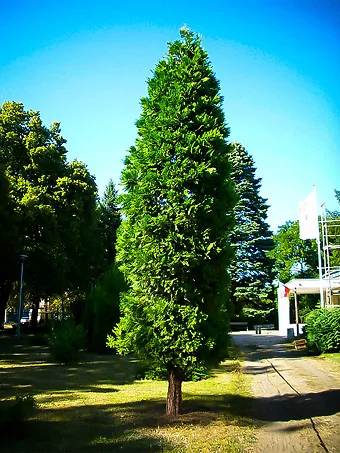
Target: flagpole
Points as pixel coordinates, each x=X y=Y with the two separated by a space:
x=322 y=301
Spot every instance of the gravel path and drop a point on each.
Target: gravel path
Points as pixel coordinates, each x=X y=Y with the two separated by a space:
x=296 y=397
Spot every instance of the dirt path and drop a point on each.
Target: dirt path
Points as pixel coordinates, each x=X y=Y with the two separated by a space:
x=296 y=397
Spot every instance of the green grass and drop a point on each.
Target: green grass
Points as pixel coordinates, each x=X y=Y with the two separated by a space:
x=335 y=356
x=98 y=406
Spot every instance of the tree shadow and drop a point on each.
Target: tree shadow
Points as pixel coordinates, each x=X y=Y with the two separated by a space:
x=281 y=408
x=258 y=347
x=29 y=368
x=135 y=426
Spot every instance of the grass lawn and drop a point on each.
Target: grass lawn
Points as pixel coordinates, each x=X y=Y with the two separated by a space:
x=98 y=406
x=335 y=356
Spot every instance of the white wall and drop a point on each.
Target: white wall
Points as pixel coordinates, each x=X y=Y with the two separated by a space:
x=283 y=313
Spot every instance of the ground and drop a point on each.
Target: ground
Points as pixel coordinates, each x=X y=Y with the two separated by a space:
x=281 y=401
x=97 y=406
x=296 y=398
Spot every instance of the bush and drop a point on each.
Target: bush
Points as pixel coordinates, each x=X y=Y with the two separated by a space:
x=323 y=330
x=67 y=339
x=14 y=414
x=102 y=309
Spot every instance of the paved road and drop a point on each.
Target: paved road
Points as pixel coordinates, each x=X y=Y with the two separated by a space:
x=296 y=397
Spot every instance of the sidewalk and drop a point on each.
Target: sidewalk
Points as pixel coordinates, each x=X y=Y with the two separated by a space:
x=297 y=397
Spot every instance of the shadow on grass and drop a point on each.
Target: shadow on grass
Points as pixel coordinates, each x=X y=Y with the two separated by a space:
x=134 y=426
x=29 y=368
x=129 y=426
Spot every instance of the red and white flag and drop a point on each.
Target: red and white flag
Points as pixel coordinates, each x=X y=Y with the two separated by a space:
x=284 y=291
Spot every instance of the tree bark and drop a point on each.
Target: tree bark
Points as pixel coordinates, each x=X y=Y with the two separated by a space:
x=174 y=397
x=35 y=310
x=5 y=290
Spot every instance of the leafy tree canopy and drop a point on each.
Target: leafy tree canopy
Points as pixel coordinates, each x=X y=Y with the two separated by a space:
x=48 y=203
x=294 y=257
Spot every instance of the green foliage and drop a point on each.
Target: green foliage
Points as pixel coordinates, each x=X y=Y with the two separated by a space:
x=109 y=220
x=48 y=206
x=67 y=339
x=251 y=269
x=14 y=414
x=259 y=316
x=333 y=229
x=156 y=372
x=307 y=303
x=101 y=312
x=294 y=257
x=172 y=245
x=323 y=330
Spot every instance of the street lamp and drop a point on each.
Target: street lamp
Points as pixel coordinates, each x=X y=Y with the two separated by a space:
x=22 y=259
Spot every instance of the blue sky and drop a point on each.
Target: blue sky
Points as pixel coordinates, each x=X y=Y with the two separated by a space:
x=85 y=64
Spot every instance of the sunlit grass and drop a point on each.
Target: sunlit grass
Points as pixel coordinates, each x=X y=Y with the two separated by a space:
x=98 y=406
x=335 y=356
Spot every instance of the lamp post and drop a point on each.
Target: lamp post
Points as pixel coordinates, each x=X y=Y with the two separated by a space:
x=92 y=280
x=22 y=259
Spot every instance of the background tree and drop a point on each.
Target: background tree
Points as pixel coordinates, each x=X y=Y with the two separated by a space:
x=293 y=257
x=49 y=204
x=252 y=268
x=109 y=220
x=334 y=233
x=8 y=243
x=172 y=246
x=102 y=312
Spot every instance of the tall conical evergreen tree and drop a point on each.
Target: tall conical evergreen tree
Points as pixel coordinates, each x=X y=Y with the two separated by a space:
x=109 y=221
x=252 y=268
x=173 y=243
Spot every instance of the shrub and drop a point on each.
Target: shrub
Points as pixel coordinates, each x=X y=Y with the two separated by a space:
x=14 y=414
x=67 y=339
x=102 y=309
x=323 y=330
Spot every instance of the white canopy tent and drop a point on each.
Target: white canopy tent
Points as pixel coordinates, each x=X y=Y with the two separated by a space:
x=312 y=285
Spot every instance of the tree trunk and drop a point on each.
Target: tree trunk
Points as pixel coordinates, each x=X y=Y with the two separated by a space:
x=5 y=290
x=35 y=310
x=174 y=397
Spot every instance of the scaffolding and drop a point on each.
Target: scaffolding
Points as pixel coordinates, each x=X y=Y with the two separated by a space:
x=330 y=227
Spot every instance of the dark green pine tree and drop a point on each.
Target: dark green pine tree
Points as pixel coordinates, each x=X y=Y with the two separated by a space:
x=173 y=242
x=109 y=221
x=252 y=268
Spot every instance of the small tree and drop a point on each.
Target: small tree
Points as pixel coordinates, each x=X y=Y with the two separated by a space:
x=173 y=244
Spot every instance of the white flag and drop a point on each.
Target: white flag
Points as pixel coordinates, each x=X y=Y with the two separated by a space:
x=308 y=217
